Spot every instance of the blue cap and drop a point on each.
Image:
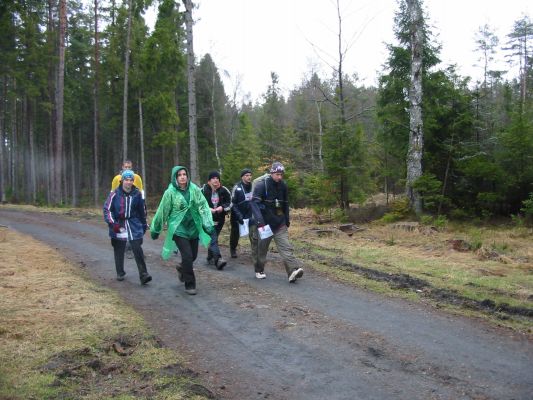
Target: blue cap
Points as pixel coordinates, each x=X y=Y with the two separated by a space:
x=128 y=174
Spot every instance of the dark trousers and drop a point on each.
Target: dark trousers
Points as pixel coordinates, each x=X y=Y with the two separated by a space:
x=214 y=251
x=234 y=234
x=119 y=247
x=188 y=249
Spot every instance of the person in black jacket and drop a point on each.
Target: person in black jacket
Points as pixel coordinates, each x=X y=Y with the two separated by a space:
x=241 y=196
x=270 y=206
x=219 y=199
x=125 y=213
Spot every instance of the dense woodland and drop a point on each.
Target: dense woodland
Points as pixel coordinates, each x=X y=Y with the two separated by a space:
x=86 y=84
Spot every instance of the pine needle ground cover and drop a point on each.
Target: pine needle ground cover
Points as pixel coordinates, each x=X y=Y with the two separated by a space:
x=62 y=336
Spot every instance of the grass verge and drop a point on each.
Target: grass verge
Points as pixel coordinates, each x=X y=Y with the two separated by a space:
x=64 y=337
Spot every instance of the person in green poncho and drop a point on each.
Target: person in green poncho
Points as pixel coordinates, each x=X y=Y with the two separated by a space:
x=184 y=209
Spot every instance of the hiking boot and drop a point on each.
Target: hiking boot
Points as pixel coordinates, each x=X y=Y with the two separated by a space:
x=180 y=273
x=121 y=277
x=190 y=288
x=145 y=279
x=260 y=275
x=295 y=274
x=233 y=253
x=220 y=263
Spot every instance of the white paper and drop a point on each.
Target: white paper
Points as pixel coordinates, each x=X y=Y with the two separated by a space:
x=122 y=234
x=243 y=229
x=265 y=232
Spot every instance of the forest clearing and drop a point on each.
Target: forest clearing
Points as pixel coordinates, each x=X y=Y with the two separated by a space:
x=477 y=282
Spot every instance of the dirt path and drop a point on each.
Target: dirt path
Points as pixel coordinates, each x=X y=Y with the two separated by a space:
x=317 y=339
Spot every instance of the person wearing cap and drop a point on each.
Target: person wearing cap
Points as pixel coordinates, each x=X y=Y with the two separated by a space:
x=125 y=214
x=241 y=196
x=137 y=181
x=184 y=209
x=219 y=199
x=270 y=206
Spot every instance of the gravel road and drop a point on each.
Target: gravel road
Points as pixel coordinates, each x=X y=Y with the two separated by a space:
x=316 y=339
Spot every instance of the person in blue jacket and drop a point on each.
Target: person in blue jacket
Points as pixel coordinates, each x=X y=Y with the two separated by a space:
x=125 y=214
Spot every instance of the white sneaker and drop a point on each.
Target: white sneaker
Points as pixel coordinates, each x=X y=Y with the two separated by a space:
x=260 y=275
x=297 y=273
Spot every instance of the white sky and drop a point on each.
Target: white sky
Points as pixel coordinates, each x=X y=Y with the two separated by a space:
x=248 y=39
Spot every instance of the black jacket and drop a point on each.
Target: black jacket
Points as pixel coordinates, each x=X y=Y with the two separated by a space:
x=224 y=197
x=241 y=207
x=270 y=205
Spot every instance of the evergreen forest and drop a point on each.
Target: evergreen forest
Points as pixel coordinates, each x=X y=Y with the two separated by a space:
x=86 y=84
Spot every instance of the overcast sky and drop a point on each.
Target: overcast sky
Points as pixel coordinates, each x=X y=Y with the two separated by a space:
x=248 y=39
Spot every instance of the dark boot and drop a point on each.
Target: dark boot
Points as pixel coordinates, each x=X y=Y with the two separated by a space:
x=145 y=278
x=180 y=273
x=190 y=288
x=209 y=256
x=233 y=253
x=220 y=263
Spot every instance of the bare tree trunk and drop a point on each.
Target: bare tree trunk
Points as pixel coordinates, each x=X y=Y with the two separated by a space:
x=14 y=145
x=215 y=121
x=125 y=99
x=416 y=132
x=72 y=169
x=344 y=186
x=31 y=143
x=177 y=147
x=58 y=145
x=2 y=140
x=318 y=106
x=96 y=117
x=192 y=93
x=141 y=134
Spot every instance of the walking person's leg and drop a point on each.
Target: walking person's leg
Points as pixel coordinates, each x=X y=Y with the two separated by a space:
x=286 y=250
x=259 y=251
x=136 y=247
x=119 y=246
x=187 y=257
x=234 y=237
x=220 y=263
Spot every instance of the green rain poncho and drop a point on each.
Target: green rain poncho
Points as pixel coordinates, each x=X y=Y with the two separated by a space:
x=186 y=213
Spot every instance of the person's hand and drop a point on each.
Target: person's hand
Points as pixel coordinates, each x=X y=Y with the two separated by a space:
x=209 y=229
x=240 y=221
x=116 y=228
x=154 y=235
x=260 y=225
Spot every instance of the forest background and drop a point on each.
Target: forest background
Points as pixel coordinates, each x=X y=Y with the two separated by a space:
x=86 y=85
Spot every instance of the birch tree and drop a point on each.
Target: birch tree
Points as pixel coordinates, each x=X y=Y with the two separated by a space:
x=416 y=126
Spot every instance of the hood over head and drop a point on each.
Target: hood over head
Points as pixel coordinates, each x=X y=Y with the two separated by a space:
x=174 y=174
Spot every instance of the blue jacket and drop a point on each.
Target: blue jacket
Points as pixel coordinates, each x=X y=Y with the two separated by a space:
x=129 y=211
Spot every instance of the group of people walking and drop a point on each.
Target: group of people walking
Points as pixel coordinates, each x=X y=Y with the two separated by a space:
x=194 y=216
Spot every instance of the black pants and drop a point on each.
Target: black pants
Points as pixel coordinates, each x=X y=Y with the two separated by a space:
x=234 y=234
x=119 y=247
x=188 y=249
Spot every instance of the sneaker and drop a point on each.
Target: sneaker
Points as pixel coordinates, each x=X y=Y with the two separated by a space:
x=297 y=273
x=190 y=289
x=145 y=279
x=180 y=273
x=260 y=275
x=210 y=260
x=220 y=263
x=120 y=277
x=233 y=253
